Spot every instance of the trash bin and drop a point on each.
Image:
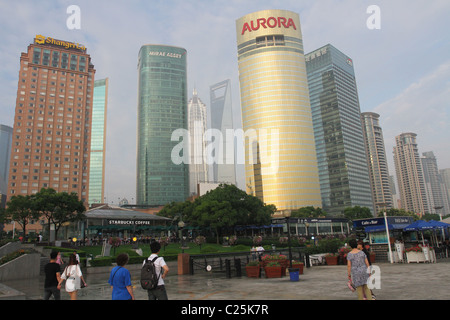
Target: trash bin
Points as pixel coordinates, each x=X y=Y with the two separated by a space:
x=294 y=274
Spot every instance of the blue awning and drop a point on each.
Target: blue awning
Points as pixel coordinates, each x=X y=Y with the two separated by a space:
x=382 y=227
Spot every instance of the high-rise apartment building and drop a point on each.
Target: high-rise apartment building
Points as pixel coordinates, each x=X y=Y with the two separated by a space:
x=98 y=142
x=341 y=156
x=436 y=200
x=52 y=124
x=377 y=162
x=409 y=173
x=162 y=109
x=198 y=168
x=280 y=155
x=444 y=175
x=220 y=115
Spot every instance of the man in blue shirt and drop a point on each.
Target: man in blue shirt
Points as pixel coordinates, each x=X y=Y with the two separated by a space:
x=120 y=280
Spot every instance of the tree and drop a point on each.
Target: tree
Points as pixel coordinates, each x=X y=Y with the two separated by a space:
x=214 y=214
x=223 y=207
x=398 y=212
x=357 y=212
x=59 y=207
x=20 y=208
x=308 y=212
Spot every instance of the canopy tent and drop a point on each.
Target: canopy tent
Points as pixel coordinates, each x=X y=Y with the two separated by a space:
x=418 y=225
x=438 y=224
x=421 y=225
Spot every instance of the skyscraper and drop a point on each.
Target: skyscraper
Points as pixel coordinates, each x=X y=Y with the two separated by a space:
x=343 y=171
x=98 y=142
x=52 y=124
x=444 y=175
x=6 y=133
x=162 y=109
x=409 y=173
x=280 y=156
x=433 y=184
x=377 y=163
x=220 y=115
x=198 y=169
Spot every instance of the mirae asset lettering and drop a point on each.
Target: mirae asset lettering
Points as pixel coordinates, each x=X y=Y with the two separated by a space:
x=165 y=54
x=270 y=22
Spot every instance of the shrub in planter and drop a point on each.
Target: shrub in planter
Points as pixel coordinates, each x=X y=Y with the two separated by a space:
x=101 y=262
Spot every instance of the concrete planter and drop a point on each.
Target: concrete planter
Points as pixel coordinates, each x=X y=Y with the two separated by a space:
x=26 y=266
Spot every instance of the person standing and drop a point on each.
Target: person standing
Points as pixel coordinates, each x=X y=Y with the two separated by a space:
x=357 y=269
x=73 y=276
x=52 y=282
x=59 y=259
x=120 y=280
x=161 y=268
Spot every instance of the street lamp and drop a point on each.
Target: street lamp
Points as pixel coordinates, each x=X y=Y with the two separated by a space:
x=440 y=218
x=383 y=205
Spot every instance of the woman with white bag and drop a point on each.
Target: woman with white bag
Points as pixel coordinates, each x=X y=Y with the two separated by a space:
x=73 y=276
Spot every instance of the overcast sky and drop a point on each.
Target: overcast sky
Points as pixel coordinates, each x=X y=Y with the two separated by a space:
x=402 y=69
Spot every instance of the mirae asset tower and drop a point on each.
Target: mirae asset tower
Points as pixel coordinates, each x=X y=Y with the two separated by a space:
x=280 y=156
x=162 y=109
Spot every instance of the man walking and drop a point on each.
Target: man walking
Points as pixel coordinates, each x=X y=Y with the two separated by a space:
x=52 y=283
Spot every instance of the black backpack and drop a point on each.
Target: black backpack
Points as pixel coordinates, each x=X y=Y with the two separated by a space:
x=149 y=279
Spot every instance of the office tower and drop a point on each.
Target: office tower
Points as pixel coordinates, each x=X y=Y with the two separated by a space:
x=98 y=142
x=341 y=156
x=198 y=169
x=162 y=109
x=6 y=133
x=377 y=163
x=433 y=184
x=280 y=156
x=220 y=115
x=52 y=124
x=409 y=174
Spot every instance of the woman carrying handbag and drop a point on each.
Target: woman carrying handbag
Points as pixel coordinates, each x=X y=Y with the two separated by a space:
x=73 y=276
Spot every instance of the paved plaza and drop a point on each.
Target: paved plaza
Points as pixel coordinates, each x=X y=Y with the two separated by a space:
x=414 y=281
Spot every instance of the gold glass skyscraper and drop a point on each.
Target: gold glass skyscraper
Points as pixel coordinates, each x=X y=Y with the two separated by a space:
x=282 y=169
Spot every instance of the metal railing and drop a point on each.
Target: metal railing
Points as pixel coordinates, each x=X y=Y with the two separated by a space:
x=233 y=262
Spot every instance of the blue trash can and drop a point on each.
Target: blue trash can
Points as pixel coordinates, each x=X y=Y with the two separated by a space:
x=294 y=274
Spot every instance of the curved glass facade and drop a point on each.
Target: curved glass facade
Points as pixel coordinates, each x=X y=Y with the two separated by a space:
x=162 y=109
x=274 y=96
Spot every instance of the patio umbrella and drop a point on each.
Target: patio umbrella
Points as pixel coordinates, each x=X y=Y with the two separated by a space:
x=419 y=225
x=439 y=225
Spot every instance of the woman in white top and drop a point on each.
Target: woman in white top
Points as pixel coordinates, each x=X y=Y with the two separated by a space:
x=72 y=274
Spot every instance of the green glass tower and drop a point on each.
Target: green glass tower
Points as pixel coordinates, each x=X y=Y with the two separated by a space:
x=98 y=142
x=162 y=109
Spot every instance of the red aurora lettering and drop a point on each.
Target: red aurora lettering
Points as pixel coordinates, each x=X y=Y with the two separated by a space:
x=271 y=22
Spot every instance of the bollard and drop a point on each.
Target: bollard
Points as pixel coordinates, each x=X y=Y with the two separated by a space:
x=191 y=266
x=307 y=260
x=237 y=265
x=227 y=268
